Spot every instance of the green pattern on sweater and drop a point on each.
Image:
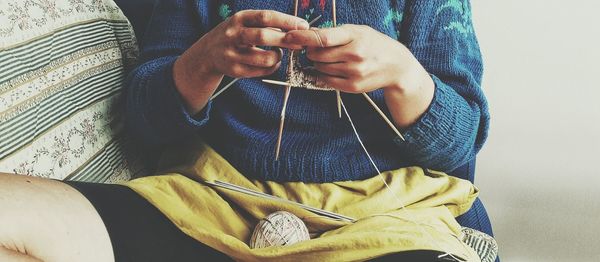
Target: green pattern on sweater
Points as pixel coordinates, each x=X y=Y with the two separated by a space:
x=224 y=11
x=393 y=16
x=463 y=23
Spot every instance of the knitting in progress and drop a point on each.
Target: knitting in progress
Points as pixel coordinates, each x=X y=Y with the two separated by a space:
x=317 y=146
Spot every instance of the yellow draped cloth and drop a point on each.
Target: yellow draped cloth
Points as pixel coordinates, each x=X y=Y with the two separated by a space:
x=224 y=219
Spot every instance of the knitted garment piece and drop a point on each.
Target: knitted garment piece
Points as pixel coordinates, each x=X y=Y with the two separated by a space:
x=318 y=146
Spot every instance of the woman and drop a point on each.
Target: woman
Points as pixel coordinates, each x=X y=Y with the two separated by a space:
x=419 y=60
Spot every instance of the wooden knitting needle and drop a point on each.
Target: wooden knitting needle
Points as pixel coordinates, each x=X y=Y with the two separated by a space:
x=373 y=104
x=288 y=90
x=337 y=92
x=279 y=83
x=387 y=120
x=286 y=96
x=237 y=79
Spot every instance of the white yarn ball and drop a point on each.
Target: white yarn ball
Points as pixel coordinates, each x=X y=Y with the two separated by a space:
x=279 y=229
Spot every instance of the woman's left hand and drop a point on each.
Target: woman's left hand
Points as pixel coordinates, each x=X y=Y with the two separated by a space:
x=359 y=59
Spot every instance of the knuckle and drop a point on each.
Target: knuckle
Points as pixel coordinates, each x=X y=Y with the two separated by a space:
x=237 y=17
x=355 y=71
x=357 y=54
x=264 y=17
x=354 y=56
x=353 y=88
x=230 y=33
x=325 y=40
x=361 y=71
x=237 y=71
x=245 y=36
x=229 y=54
x=269 y=61
x=261 y=37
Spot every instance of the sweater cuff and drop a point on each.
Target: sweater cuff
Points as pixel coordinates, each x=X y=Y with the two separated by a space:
x=178 y=105
x=443 y=136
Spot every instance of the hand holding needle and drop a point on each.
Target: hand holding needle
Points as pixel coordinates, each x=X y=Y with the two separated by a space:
x=237 y=79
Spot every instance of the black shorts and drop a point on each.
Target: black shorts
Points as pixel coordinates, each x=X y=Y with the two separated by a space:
x=139 y=232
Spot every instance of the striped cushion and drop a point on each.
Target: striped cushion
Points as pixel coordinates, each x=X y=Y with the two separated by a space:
x=485 y=245
x=62 y=67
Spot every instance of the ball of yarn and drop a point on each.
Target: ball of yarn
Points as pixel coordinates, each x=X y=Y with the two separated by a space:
x=279 y=229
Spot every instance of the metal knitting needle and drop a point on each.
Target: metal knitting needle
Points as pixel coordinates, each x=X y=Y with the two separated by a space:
x=264 y=195
x=381 y=113
x=251 y=192
x=237 y=79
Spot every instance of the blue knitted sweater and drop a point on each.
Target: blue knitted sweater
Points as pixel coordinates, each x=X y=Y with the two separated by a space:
x=317 y=146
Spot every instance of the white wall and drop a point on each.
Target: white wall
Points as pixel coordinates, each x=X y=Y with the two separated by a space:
x=539 y=173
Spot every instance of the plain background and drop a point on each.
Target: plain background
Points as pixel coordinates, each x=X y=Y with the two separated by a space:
x=539 y=172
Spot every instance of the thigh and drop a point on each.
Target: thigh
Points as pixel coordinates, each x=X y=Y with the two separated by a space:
x=139 y=232
x=51 y=221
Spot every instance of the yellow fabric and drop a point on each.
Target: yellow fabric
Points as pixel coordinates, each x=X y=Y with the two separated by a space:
x=224 y=219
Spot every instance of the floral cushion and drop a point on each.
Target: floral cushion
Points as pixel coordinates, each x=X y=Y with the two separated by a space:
x=62 y=69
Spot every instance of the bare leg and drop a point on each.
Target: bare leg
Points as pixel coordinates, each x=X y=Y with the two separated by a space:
x=10 y=255
x=45 y=220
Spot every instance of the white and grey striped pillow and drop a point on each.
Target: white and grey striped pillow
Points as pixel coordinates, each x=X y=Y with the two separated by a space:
x=485 y=245
x=62 y=69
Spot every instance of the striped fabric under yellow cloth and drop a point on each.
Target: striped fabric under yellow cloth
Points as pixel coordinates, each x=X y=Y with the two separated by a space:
x=224 y=219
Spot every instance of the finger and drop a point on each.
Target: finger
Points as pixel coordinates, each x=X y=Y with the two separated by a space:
x=347 y=70
x=259 y=57
x=269 y=18
x=263 y=37
x=333 y=69
x=327 y=37
x=326 y=55
x=247 y=71
x=347 y=85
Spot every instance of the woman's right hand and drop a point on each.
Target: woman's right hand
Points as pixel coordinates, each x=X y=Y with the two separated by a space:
x=231 y=49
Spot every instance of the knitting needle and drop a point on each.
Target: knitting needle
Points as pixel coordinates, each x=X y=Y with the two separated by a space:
x=288 y=90
x=385 y=118
x=286 y=96
x=337 y=92
x=267 y=196
x=224 y=88
x=237 y=79
x=247 y=191
x=275 y=82
x=381 y=113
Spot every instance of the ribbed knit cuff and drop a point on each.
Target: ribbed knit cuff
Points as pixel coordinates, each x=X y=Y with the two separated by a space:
x=443 y=138
x=175 y=102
